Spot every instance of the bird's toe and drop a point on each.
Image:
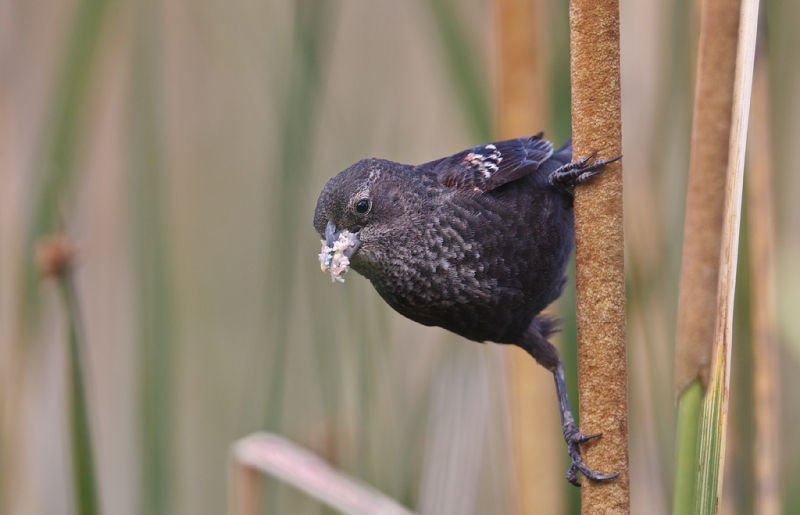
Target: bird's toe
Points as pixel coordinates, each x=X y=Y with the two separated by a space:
x=574 y=439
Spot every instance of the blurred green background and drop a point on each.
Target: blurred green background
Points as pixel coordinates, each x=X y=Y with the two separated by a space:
x=182 y=145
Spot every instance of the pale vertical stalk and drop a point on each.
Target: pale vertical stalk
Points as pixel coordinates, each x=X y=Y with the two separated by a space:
x=766 y=379
x=523 y=75
x=599 y=253
x=536 y=439
x=245 y=489
x=719 y=22
x=150 y=194
x=522 y=110
x=715 y=409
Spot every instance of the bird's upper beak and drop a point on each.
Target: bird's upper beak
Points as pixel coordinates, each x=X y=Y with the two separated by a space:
x=332 y=236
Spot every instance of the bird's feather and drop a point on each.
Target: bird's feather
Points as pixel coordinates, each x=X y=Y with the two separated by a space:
x=486 y=167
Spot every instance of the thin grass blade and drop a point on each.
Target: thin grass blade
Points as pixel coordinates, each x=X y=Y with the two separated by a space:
x=84 y=477
x=466 y=70
x=54 y=260
x=62 y=140
x=155 y=292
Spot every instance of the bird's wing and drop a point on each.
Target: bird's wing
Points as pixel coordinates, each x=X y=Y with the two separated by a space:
x=486 y=167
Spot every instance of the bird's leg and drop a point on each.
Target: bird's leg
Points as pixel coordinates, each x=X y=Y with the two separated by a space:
x=578 y=171
x=535 y=342
x=571 y=434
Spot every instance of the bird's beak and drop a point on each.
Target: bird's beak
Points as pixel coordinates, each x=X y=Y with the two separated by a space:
x=332 y=236
x=338 y=243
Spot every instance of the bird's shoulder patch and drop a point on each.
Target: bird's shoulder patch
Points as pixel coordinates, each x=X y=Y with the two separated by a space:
x=486 y=167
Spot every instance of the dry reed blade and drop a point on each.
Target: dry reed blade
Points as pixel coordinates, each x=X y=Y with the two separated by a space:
x=599 y=253
x=711 y=451
x=704 y=200
x=702 y=234
x=523 y=109
x=766 y=372
x=276 y=456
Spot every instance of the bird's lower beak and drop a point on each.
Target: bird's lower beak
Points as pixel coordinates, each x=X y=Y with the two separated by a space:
x=333 y=236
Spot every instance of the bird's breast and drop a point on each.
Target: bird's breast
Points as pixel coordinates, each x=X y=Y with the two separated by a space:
x=434 y=264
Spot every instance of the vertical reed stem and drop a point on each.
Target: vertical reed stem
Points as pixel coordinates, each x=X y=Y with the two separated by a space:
x=54 y=260
x=702 y=231
x=766 y=378
x=715 y=409
x=702 y=234
x=522 y=105
x=689 y=410
x=245 y=489
x=599 y=254
x=84 y=478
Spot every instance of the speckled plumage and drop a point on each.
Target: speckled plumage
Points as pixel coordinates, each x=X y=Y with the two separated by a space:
x=476 y=243
x=479 y=263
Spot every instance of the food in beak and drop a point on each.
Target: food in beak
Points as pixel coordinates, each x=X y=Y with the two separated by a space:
x=337 y=249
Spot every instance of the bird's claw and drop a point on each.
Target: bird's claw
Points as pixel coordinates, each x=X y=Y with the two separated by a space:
x=574 y=438
x=578 y=171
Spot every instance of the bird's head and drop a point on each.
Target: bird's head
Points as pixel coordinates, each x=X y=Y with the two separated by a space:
x=366 y=200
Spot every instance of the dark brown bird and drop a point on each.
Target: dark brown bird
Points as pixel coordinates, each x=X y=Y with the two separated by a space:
x=476 y=243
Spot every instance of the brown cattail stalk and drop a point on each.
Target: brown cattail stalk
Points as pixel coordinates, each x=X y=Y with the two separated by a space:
x=523 y=93
x=599 y=254
x=708 y=162
x=536 y=439
x=766 y=379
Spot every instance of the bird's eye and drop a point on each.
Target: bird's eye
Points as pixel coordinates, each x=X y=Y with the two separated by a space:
x=362 y=206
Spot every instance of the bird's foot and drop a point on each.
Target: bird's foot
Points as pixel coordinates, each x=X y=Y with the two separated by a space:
x=578 y=171
x=574 y=438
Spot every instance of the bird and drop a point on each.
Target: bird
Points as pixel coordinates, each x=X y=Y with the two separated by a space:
x=476 y=243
